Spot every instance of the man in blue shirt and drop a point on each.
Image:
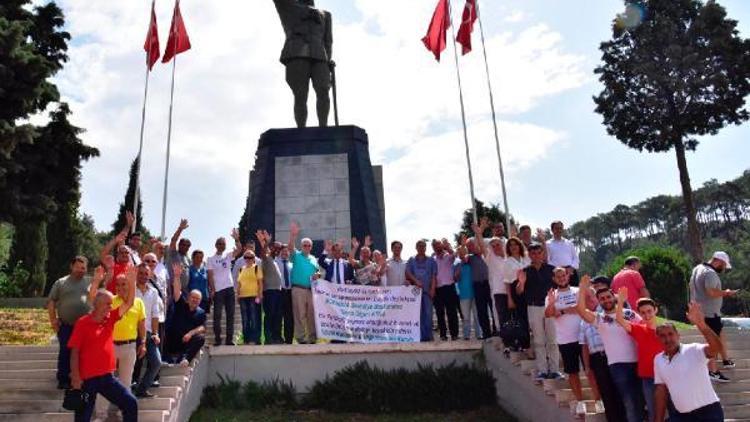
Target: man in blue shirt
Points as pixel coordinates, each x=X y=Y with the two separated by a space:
x=304 y=271
x=421 y=272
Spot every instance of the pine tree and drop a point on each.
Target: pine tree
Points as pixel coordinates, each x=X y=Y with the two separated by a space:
x=127 y=205
x=682 y=72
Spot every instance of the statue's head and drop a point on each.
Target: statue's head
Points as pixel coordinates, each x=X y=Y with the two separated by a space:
x=310 y=3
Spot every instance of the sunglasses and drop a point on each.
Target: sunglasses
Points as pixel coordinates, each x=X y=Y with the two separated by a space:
x=149 y=261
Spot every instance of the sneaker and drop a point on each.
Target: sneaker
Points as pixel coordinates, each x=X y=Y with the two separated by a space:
x=718 y=377
x=156 y=384
x=599 y=406
x=728 y=364
x=540 y=376
x=184 y=363
x=580 y=408
x=144 y=395
x=555 y=376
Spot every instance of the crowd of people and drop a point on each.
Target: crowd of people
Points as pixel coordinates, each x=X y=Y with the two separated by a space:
x=147 y=306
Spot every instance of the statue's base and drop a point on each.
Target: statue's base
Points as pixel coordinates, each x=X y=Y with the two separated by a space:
x=321 y=178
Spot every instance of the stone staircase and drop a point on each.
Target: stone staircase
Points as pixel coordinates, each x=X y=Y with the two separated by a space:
x=734 y=396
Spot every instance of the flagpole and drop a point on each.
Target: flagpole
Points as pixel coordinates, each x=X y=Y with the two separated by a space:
x=169 y=142
x=463 y=117
x=140 y=152
x=494 y=123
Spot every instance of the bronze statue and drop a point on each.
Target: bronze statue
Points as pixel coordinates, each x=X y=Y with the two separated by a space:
x=307 y=55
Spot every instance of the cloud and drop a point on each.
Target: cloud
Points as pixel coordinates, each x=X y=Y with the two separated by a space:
x=515 y=16
x=230 y=88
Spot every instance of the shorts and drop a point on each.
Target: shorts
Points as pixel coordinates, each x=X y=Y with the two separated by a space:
x=571 y=357
x=715 y=324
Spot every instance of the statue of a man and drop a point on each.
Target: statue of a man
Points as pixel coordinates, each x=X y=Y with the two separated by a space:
x=307 y=55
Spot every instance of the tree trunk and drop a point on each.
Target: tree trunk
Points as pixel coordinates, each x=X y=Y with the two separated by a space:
x=694 y=237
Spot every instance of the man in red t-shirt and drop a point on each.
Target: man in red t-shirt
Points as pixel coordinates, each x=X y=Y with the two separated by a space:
x=648 y=343
x=92 y=358
x=630 y=278
x=122 y=257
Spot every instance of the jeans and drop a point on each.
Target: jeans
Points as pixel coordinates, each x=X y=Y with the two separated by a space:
x=250 y=312
x=272 y=316
x=112 y=390
x=425 y=318
x=224 y=299
x=483 y=298
x=544 y=339
x=628 y=385
x=287 y=315
x=446 y=302
x=710 y=413
x=613 y=408
x=469 y=311
x=501 y=307
x=153 y=364
x=648 y=394
x=63 y=356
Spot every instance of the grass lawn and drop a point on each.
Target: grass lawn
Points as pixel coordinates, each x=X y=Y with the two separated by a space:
x=24 y=327
x=491 y=414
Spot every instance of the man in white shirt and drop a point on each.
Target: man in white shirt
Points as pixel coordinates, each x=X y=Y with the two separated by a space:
x=561 y=304
x=134 y=246
x=680 y=371
x=618 y=345
x=154 y=312
x=221 y=287
x=562 y=253
x=395 y=272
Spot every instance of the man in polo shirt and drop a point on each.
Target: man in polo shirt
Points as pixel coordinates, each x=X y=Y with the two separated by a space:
x=221 y=286
x=480 y=279
x=619 y=346
x=395 y=273
x=630 y=278
x=304 y=271
x=446 y=298
x=122 y=255
x=150 y=297
x=130 y=331
x=706 y=290
x=188 y=322
x=92 y=354
x=562 y=253
x=680 y=372
x=66 y=303
x=533 y=284
x=420 y=272
x=178 y=253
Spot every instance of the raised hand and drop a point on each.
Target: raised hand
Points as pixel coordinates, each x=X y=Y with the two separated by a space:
x=476 y=229
x=294 y=229
x=235 y=234
x=261 y=237
x=129 y=218
x=176 y=270
x=695 y=314
x=484 y=223
x=183 y=224
x=462 y=239
x=585 y=282
x=551 y=295
x=120 y=238
x=327 y=246
x=540 y=235
x=622 y=295
x=355 y=244
x=99 y=274
x=368 y=241
x=108 y=262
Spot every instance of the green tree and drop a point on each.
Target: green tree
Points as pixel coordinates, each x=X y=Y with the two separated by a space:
x=680 y=73
x=32 y=49
x=666 y=271
x=492 y=212
x=127 y=204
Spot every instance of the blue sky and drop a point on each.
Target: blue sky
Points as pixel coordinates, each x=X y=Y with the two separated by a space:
x=560 y=162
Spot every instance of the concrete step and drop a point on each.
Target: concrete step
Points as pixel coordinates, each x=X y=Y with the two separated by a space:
x=55 y=394
x=565 y=396
x=44 y=406
x=28 y=356
x=28 y=349
x=737 y=411
x=731 y=399
x=143 y=416
x=595 y=417
x=27 y=364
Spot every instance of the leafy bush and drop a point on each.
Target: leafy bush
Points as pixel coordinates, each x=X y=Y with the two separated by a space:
x=666 y=271
x=230 y=394
x=12 y=280
x=364 y=389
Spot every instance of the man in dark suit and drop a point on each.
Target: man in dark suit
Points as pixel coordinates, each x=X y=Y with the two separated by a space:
x=338 y=269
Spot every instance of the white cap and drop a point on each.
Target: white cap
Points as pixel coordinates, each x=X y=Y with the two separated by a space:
x=723 y=256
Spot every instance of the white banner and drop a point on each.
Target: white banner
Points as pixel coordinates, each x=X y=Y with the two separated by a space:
x=366 y=314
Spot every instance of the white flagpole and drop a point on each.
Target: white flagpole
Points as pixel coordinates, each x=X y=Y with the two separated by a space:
x=463 y=117
x=494 y=123
x=169 y=142
x=140 y=152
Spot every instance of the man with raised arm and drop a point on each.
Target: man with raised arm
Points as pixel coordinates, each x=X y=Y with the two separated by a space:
x=304 y=271
x=221 y=286
x=178 y=253
x=122 y=255
x=620 y=348
x=273 y=282
x=420 y=272
x=338 y=270
x=92 y=352
x=680 y=371
x=187 y=327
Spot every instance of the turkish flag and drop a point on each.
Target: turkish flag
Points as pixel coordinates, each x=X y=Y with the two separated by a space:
x=467 y=25
x=178 y=41
x=441 y=21
x=152 y=41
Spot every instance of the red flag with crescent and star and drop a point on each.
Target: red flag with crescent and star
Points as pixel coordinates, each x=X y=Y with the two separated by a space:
x=467 y=26
x=152 y=41
x=435 y=38
x=178 y=41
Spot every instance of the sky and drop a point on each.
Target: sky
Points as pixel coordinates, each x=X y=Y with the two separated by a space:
x=230 y=88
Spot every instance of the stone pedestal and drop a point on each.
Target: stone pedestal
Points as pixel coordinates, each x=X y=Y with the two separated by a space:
x=320 y=177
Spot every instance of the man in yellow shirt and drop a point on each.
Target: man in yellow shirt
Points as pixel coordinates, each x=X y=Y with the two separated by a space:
x=130 y=328
x=250 y=292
